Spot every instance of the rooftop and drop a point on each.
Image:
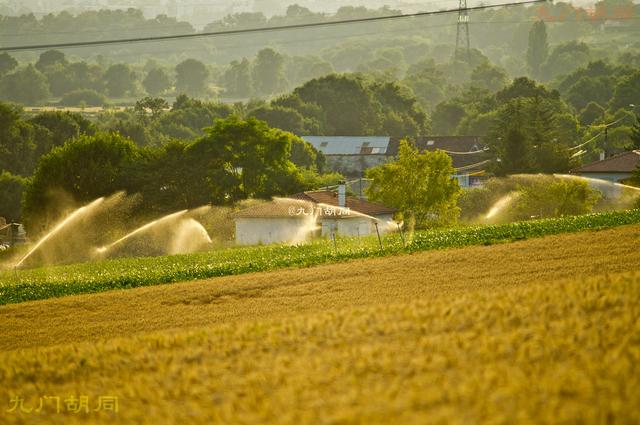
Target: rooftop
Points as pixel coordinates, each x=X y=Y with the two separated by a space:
x=465 y=151
x=346 y=145
x=626 y=162
x=303 y=204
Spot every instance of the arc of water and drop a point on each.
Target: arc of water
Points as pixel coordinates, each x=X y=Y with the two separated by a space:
x=141 y=229
x=64 y=223
x=598 y=181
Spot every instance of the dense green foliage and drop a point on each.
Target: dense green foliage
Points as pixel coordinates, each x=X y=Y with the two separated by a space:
x=127 y=273
x=11 y=188
x=534 y=196
x=419 y=185
x=233 y=160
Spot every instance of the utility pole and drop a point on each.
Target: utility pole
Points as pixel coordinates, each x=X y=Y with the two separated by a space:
x=463 y=27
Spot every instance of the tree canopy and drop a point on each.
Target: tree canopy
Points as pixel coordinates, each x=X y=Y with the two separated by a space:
x=420 y=185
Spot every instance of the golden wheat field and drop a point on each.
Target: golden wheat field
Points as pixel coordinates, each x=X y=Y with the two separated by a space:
x=538 y=331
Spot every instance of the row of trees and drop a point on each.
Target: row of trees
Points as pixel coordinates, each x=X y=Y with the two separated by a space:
x=235 y=159
x=79 y=83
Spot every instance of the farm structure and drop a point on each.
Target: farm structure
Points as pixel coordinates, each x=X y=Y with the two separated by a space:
x=615 y=169
x=306 y=215
x=352 y=156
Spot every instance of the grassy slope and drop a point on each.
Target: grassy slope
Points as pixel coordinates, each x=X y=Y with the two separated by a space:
x=499 y=334
x=28 y=285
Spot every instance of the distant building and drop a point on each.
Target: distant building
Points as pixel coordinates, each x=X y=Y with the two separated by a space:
x=310 y=214
x=614 y=169
x=352 y=156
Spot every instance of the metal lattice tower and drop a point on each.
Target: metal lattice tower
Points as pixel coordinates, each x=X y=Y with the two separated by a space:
x=463 y=27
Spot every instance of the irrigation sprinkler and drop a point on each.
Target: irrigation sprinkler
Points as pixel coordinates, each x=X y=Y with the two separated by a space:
x=379 y=238
x=404 y=243
x=335 y=243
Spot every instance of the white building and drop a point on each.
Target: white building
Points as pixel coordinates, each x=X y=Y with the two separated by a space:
x=306 y=215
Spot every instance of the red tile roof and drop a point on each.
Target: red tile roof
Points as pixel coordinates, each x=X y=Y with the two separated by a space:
x=626 y=162
x=328 y=197
x=304 y=204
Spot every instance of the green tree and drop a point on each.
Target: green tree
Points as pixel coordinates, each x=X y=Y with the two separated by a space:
x=61 y=79
x=428 y=83
x=268 y=72
x=21 y=142
x=591 y=113
x=11 y=188
x=7 y=64
x=27 y=85
x=525 y=87
x=120 y=80
x=63 y=126
x=243 y=159
x=548 y=197
x=191 y=77
x=286 y=119
x=509 y=142
x=420 y=185
x=153 y=105
x=156 y=82
x=635 y=134
x=489 y=77
x=85 y=168
x=538 y=49
x=86 y=97
x=237 y=79
x=49 y=58
x=446 y=117
x=566 y=58
x=590 y=89
x=626 y=92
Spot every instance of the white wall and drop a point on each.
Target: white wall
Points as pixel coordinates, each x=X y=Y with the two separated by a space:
x=254 y=231
x=360 y=226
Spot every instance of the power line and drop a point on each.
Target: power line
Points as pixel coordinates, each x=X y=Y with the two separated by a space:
x=253 y=30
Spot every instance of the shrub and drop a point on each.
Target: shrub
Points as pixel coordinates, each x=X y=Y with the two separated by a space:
x=83 y=97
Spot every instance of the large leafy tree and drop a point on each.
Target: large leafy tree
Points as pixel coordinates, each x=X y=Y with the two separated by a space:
x=420 y=185
x=528 y=136
x=237 y=79
x=156 y=82
x=63 y=126
x=191 y=77
x=489 y=77
x=11 y=188
x=7 y=63
x=538 y=49
x=21 y=142
x=626 y=92
x=354 y=105
x=120 y=80
x=242 y=159
x=50 y=58
x=27 y=85
x=85 y=168
x=268 y=72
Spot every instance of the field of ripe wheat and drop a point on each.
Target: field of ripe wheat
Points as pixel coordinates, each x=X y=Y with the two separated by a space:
x=544 y=330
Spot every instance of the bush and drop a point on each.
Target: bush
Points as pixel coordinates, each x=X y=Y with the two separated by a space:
x=535 y=196
x=11 y=188
x=83 y=97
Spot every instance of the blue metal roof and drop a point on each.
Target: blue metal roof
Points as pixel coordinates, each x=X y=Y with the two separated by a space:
x=347 y=145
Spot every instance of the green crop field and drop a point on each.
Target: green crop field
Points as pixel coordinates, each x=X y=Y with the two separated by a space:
x=43 y=283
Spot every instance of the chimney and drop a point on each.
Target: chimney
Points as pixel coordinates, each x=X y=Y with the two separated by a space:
x=602 y=156
x=342 y=194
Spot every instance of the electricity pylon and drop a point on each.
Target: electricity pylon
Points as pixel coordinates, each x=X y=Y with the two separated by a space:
x=463 y=27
